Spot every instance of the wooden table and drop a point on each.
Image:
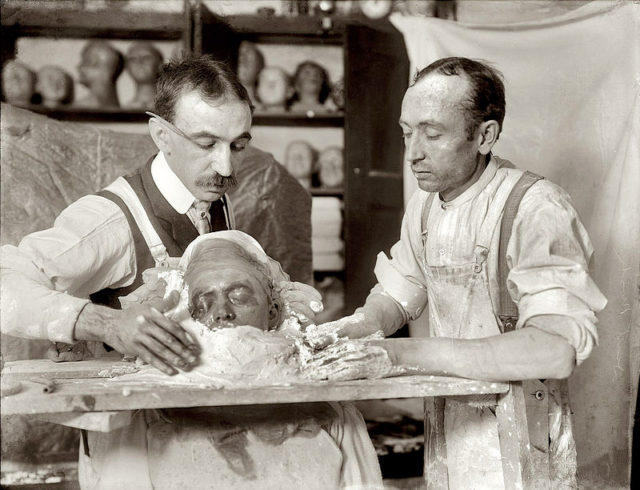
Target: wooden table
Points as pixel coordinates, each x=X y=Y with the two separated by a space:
x=80 y=388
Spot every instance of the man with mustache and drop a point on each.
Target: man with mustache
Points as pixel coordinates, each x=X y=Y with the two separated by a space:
x=62 y=283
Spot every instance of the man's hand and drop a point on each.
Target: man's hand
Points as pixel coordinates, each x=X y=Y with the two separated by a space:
x=143 y=331
x=321 y=336
x=300 y=300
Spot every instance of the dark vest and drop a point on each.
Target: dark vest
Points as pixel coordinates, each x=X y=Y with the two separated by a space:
x=175 y=230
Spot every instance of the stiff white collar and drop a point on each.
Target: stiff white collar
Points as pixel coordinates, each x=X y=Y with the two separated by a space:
x=171 y=187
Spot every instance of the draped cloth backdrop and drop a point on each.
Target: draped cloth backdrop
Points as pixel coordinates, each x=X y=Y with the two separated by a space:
x=572 y=89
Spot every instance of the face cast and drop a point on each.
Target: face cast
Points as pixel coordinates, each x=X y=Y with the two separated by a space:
x=309 y=81
x=143 y=62
x=221 y=130
x=226 y=289
x=273 y=86
x=18 y=82
x=250 y=63
x=54 y=85
x=299 y=159
x=330 y=162
x=98 y=64
x=434 y=127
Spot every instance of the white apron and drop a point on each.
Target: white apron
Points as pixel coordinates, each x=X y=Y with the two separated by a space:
x=460 y=307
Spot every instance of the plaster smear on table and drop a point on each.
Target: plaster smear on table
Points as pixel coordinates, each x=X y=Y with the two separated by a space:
x=246 y=356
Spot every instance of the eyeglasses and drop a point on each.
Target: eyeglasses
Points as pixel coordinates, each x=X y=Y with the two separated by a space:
x=237 y=146
x=178 y=131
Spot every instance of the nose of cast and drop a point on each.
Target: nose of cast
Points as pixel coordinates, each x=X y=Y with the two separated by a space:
x=220 y=314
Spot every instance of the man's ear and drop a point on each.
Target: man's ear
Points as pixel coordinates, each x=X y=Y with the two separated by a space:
x=159 y=135
x=274 y=315
x=488 y=135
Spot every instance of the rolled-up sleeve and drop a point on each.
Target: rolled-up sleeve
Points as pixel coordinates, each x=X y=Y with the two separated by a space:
x=401 y=277
x=548 y=254
x=46 y=280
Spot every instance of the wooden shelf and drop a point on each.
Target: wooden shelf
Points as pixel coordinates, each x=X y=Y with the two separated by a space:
x=327 y=191
x=286 y=30
x=85 y=114
x=332 y=119
x=108 y=23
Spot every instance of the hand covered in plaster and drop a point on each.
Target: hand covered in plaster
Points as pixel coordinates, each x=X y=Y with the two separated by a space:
x=378 y=313
x=141 y=330
x=299 y=300
x=321 y=336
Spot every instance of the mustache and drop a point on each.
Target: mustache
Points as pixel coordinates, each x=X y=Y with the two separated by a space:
x=217 y=180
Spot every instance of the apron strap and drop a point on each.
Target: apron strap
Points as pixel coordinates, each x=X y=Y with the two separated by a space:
x=508 y=312
x=426 y=208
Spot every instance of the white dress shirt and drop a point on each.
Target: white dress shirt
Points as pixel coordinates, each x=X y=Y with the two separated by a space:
x=549 y=253
x=48 y=277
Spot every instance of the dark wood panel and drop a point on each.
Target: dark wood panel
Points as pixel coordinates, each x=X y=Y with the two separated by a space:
x=376 y=77
x=81 y=114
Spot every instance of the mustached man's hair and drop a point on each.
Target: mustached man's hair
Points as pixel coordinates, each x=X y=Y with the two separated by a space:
x=212 y=79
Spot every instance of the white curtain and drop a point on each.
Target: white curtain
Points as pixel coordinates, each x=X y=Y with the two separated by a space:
x=573 y=116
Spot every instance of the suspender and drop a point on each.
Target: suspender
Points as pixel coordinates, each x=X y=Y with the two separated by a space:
x=508 y=311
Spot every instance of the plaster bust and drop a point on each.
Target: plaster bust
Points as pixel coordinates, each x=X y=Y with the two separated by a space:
x=100 y=66
x=311 y=84
x=299 y=157
x=55 y=86
x=331 y=167
x=273 y=89
x=143 y=63
x=250 y=63
x=18 y=82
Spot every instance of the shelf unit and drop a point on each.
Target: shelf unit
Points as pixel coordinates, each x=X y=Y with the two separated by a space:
x=68 y=23
x=373 y=50
x=373 y=153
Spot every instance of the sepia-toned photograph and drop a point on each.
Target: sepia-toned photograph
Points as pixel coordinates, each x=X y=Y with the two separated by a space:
x=320 y=244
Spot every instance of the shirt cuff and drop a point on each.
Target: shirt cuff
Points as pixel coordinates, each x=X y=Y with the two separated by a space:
x=61 y=324
x=411 y=296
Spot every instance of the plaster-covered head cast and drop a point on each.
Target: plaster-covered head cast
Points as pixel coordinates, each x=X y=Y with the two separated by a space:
x=274 y=88
x=230 y=286
x=299 y=160
x=250 y=63
x=143 y=63
x=18 y=82
x=100 y=66
x=451 y=117
x=202 y=123
x=55 y=86
x=312 y=87
x=331 y=166
x=226 y=279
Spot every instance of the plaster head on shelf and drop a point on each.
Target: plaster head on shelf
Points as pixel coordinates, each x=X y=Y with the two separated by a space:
x=18 y=82
x=55 y=86
x=274 y=88
x=100 y=66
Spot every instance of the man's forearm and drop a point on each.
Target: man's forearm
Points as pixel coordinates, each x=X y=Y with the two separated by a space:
x=94 y=323
x=528 y=353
